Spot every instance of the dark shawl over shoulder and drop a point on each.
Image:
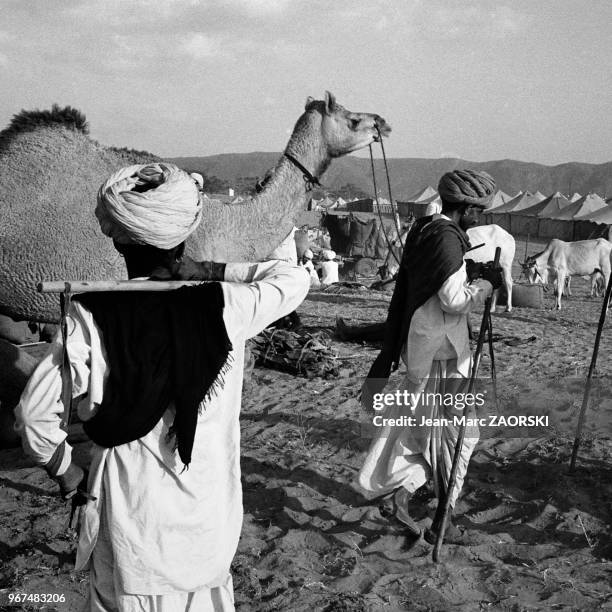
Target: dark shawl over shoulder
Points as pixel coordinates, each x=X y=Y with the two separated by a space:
x=433 y=251
x=162 y=348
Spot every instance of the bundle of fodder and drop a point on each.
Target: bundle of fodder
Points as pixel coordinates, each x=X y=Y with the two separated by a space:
x=296 y=352
x=344 y=287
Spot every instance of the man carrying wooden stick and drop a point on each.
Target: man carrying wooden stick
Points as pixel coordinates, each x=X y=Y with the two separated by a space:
x=427 y=327
x=158 y=380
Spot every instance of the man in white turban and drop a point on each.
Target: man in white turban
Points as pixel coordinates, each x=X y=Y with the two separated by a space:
x=157 y=381
x=329 y=268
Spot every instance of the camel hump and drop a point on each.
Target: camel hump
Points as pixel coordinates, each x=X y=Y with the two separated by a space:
x=28 y=121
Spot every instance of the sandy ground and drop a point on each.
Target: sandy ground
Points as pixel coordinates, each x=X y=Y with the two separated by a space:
x=533 y=537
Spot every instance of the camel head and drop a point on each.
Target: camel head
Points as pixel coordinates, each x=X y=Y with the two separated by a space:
x=344 y=131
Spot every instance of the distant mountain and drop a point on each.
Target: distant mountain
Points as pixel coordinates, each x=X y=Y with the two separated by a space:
x=408 y=175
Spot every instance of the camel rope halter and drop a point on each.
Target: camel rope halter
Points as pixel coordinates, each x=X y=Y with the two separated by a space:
x=394 y=209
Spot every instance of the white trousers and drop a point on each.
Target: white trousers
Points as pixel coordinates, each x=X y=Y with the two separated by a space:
x=409 y=456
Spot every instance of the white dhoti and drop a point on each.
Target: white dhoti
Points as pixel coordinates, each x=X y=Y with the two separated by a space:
x=408 y=456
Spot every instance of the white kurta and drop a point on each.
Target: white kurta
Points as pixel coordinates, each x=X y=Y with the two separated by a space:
x=329 y=272
x=170 y=530
x=438 y=359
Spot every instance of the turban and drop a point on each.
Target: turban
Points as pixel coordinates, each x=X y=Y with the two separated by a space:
x=308 y=254
x=467 y=187
x=328 y=254
x=156 y=204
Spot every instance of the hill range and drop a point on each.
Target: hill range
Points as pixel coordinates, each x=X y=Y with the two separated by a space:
x=409 y=175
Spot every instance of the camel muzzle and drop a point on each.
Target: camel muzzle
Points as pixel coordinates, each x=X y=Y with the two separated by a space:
x=383 y=129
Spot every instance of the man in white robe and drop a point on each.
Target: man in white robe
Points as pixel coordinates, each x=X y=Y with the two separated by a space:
x=427 y=327
x=329 y=268
x=157 y=537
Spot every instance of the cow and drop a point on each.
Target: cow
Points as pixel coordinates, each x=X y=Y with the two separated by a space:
x=564 y=259
x=493 y=236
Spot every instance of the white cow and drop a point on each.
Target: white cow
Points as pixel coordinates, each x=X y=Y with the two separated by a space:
x=564 y=259
x=494 y=236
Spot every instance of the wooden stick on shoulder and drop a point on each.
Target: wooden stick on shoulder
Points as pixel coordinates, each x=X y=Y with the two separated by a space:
x=77 y=286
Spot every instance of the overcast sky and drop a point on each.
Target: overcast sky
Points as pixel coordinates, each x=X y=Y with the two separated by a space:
x=477 y=79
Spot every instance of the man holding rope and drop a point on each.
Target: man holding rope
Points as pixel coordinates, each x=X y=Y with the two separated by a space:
x=157 y=378
x=427 y=327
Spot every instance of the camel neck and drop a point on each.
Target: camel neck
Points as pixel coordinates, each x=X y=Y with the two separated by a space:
x=286 y=193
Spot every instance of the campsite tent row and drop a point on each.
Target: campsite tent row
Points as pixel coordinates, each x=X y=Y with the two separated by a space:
x=424 y=202
x=556 y=216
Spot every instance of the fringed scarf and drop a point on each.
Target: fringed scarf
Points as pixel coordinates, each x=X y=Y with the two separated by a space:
x=433 y=251
x=163 y=348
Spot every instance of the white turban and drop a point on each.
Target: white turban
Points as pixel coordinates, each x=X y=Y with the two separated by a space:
x=328 y=254
x=156 y=204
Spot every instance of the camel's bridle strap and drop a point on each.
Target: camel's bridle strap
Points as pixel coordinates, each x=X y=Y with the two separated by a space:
x=310 y=180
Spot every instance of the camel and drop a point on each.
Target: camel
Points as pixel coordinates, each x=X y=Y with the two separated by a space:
x=51 y=170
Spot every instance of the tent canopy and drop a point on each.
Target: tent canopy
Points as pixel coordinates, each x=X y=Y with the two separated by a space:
x=426 y=194
x=499 y=199
x=601 y=215
x=517 y=203
x=548 y=207
x=582 y=207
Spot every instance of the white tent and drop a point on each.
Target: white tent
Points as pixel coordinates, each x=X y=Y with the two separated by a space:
x=425 y=194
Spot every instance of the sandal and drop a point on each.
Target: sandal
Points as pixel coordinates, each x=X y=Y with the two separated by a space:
x=389 y=508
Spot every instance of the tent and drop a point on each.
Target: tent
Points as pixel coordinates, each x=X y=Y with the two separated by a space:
x=539 y=194
x=594 y=223
x=425 y=194
x=583 y=207
x=420 y=204
x=502 y=215
x=575 y=197
x=551 y=225
x=499 y=199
